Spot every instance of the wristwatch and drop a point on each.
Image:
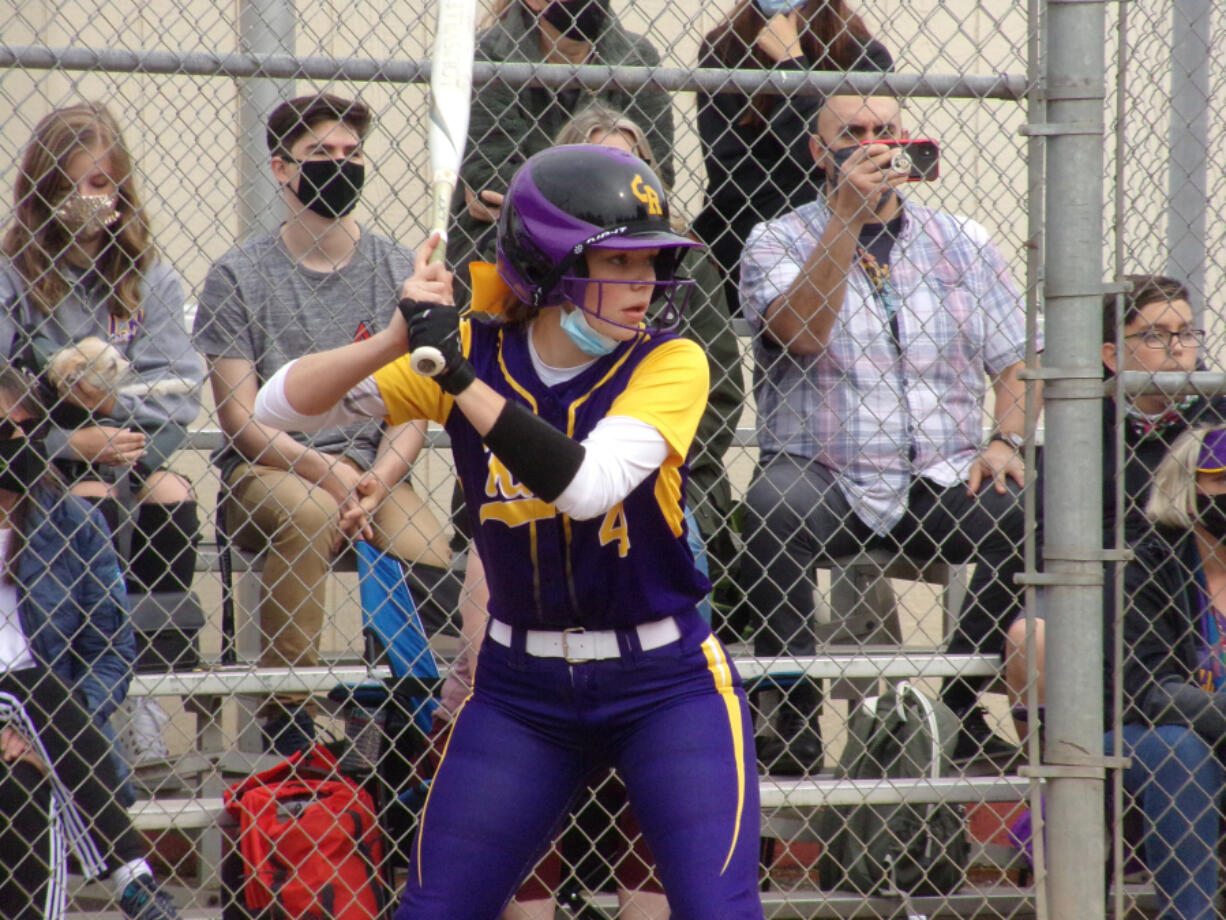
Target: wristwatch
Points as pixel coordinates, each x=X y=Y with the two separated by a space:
x=1012 y=438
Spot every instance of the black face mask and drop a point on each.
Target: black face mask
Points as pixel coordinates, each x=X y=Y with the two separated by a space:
x=22 y=463
x=1211 y=513
x=582 y=20
x=330 y=188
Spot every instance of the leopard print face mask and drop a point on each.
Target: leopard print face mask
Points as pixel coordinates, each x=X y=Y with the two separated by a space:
x=87 y=214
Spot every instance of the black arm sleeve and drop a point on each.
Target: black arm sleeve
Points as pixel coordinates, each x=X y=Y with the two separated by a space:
x=535 y=453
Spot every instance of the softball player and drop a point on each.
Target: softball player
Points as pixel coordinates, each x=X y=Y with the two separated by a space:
x=569 y=423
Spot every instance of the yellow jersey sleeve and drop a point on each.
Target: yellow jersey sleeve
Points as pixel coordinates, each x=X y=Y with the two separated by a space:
x=409 y=396
x=668 y=391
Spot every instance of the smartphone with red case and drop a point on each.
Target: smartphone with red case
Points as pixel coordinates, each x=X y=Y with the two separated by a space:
x=918 y=157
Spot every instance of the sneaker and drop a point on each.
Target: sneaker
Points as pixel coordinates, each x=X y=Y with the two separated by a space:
x=796 y=751
x=142 y=736
x=796 y=747
x=977 y=741
x=289 y=732
x=1022 y=714
x=142 y=900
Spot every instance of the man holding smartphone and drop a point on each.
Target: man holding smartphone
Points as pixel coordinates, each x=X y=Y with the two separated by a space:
x=877 y=322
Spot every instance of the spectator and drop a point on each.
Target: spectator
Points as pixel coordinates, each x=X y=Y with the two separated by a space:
x=317 y=281
x=1159 y=335
x=66 y=649
x=1174 y=674
x=508 y=124
x=877 y=320
x=80 y=262
x=578 y=516
x=756 y=148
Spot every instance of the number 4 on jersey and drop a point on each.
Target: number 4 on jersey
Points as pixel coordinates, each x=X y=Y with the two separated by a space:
x=615 y=529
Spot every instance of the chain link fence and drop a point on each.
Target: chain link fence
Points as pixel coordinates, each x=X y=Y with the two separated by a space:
x=827 y=500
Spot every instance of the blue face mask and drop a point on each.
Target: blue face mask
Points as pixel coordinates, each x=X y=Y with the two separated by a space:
x=586 y=339
x=771 y=8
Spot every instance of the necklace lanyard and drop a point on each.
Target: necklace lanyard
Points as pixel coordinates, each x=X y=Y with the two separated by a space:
x=883 y=292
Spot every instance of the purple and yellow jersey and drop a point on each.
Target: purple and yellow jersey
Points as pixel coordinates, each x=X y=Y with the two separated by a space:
x=627 y=566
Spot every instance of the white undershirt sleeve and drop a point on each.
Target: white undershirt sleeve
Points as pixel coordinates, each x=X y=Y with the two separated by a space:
x=272 y=406
x=620 y=453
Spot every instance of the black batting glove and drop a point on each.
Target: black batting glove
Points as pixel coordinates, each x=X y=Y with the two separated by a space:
x=436 y=325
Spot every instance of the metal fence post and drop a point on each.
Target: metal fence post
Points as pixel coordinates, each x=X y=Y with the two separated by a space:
x=1074 y=86
x=1191 y=25
x=264 y=26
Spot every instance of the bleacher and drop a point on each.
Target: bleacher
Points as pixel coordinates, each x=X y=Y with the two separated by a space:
x=789 y=806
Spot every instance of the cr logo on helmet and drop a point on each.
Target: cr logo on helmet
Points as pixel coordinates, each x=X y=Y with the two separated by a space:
x=647 y=195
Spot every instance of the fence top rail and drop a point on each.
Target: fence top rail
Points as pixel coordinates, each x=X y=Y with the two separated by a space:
x=210 y=438
x=1003 y=86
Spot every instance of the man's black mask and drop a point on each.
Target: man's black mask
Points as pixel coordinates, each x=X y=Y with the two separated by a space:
x=330 y=188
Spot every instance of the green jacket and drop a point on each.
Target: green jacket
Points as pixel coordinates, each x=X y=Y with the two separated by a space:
x=708 y=493
x=509 y=124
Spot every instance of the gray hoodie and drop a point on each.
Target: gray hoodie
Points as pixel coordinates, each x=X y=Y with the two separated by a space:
x=154 y=340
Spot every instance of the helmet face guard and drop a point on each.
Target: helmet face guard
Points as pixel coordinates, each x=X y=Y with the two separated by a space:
x=568 y=199
x=669 y=299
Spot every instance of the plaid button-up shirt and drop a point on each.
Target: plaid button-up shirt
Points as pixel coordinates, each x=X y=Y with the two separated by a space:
x=874 y=411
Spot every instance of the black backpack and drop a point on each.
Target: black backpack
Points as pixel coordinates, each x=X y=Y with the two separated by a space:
x=897 y=849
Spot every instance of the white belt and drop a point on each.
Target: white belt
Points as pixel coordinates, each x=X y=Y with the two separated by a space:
x=580 y=644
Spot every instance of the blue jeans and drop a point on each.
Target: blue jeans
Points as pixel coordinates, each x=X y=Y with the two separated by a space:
x=1177 y=780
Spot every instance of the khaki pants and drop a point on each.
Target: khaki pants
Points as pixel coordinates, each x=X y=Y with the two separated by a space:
x=296 y=522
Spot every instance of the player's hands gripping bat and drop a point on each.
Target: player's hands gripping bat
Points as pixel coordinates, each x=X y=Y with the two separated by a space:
x=436 y=327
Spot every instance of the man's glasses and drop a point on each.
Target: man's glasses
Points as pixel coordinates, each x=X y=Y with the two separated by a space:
x=1164 y=338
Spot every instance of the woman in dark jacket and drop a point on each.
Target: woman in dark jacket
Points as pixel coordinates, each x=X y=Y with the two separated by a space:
x=756 y=148
x=1159 y=334
x=1174 y=673
x=66 y=649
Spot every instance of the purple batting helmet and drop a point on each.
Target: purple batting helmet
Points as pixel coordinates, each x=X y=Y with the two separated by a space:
x=565 y=199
